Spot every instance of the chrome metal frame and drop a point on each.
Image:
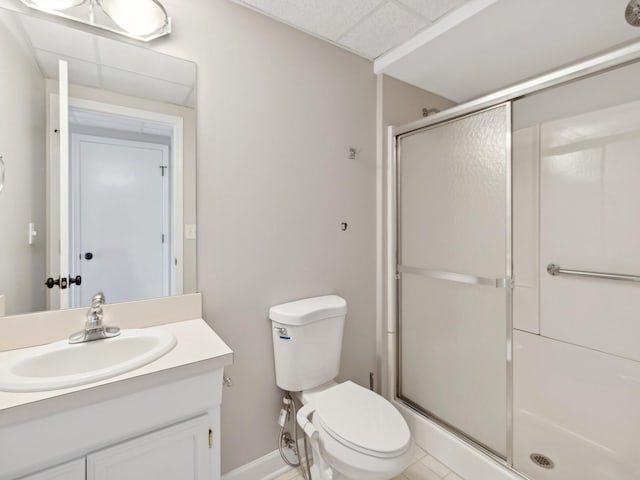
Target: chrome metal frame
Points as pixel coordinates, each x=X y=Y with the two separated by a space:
x=555 y=270
x=398 y=261
x=509 y=276
x=91 y=22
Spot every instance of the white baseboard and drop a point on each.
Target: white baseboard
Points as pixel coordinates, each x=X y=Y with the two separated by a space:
x=267 y=467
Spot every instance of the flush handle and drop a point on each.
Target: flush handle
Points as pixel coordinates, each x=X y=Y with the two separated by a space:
x=281 y=331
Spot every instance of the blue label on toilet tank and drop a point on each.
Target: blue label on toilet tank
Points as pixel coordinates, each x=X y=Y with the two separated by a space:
x=282 y=337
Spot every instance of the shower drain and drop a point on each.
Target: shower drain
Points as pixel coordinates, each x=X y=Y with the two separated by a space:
x=541 y=460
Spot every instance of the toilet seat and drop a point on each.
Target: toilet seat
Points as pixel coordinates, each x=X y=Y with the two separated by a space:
x=362 y=421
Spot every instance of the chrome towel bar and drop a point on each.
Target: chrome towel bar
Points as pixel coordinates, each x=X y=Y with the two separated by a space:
x=555 y=270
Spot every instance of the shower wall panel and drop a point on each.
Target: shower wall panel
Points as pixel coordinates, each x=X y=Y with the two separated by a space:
x=590 y=212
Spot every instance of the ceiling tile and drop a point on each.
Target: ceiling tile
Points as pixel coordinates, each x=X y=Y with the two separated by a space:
x=325 y=18
x=432 y=9
x=56 y=37
x=389 y=26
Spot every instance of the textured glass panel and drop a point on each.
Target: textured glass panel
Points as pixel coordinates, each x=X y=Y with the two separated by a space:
x=453 y=360
x=452 y=196
x=452 y=218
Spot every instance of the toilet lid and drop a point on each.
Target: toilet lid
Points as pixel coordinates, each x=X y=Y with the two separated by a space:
x=362 y=419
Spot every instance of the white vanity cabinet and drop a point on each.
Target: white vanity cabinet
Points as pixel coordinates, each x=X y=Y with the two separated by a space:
x=179 y=452
x=69 y=471
x=167 y=431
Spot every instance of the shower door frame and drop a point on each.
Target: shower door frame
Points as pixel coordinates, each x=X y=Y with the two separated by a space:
x=609 y=60
x=505 y=283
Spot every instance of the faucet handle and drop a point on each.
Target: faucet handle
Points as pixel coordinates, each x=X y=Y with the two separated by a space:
x=98 y=300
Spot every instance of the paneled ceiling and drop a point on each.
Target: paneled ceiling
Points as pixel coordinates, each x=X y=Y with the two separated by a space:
x=461 y=49
x=366 y=27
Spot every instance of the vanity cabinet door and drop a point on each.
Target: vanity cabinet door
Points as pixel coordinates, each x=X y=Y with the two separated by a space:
x=180 y=452
x=69 y=471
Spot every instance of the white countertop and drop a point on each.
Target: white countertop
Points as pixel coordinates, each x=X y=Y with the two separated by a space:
x=199 y=349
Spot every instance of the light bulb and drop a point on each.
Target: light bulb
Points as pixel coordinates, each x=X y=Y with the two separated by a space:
x=57 y=4
x=138 y=17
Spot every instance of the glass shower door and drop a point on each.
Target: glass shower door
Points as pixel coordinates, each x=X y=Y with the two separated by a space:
x=454 y=265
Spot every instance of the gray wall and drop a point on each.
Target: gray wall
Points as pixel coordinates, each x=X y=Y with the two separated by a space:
x=277 y=113
x=22 y=146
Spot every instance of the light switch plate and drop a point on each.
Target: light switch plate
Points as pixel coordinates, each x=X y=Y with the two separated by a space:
x=190 y=231
x=32 y=233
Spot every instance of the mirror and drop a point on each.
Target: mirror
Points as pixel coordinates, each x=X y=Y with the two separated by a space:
x=99 y=171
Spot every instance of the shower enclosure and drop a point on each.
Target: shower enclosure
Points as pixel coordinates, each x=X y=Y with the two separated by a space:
x=517 y=221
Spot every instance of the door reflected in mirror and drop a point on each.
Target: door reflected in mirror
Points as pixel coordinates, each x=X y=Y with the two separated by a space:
x=100 y=170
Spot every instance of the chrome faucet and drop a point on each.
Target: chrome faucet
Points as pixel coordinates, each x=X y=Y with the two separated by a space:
x=94 y=329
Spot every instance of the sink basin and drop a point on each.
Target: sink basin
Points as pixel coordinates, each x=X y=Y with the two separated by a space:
x=61 y=364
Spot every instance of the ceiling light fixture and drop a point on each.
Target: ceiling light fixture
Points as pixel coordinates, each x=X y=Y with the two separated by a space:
x=143 y=20
x=139 y=17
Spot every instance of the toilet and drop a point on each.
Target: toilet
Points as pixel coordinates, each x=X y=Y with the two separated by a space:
x=354 y=432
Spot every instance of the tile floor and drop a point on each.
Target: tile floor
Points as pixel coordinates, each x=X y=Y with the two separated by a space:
x=423 y=467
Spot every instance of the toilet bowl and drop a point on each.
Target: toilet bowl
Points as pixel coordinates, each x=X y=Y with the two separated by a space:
x=355 y=434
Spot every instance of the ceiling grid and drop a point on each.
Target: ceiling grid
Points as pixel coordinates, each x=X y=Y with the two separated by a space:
x=368 y=28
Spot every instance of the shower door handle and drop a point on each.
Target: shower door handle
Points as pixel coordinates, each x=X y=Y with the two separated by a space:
x=505 y=282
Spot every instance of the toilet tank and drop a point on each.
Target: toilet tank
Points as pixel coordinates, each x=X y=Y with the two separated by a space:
x=307 y=341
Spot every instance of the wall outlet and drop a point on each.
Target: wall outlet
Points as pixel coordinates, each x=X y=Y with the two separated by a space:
x=190 y=231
